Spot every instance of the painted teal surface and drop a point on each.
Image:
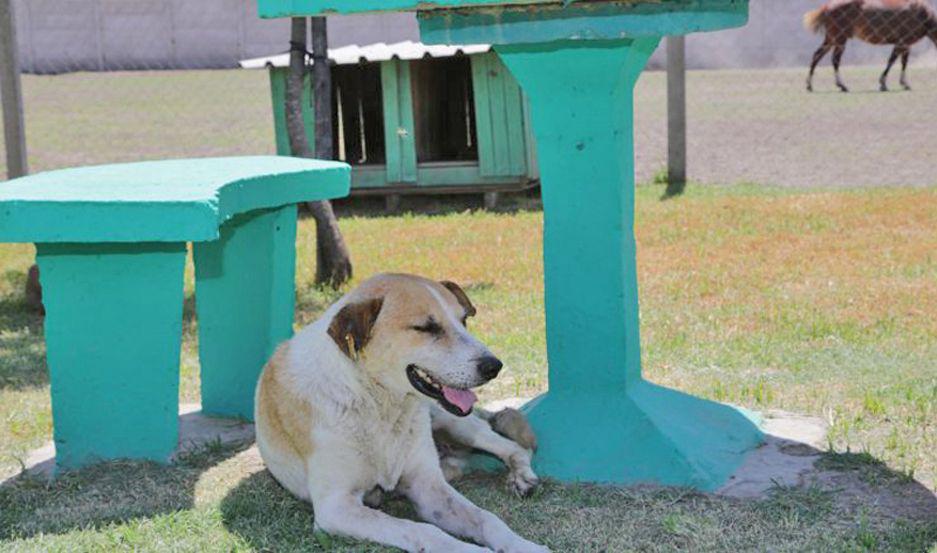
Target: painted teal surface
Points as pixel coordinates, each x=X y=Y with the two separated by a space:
x=278 y=76
x=499 y=116
x=503 y=132
x=399 y=141
x=159 y=201
x=245 y=290
x=589 y=21
x=601 y=421
x=648 y=434
x=113 y=331
x=113 y=294
x=286 y=8
x=442 y=175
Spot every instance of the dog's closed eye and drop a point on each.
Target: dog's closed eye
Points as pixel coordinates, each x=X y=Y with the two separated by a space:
x=430 y=327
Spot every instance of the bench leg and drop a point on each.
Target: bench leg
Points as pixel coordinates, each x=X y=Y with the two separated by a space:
x=113 y=332
x=245 y=295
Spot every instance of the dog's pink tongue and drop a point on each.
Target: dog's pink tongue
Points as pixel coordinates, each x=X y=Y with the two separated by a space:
x=463 y=399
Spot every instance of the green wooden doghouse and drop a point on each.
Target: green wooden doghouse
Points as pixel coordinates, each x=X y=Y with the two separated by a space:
x=413 y=118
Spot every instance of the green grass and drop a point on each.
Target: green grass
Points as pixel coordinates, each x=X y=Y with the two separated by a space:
x=90 y=118
x=819 y=302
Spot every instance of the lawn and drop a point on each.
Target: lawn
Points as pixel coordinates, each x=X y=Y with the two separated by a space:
x=819 y=302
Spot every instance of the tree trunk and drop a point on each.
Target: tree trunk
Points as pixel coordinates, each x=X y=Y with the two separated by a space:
x=333 y=262
x=34 y=290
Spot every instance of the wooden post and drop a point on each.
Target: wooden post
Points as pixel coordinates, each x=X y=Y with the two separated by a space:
x=11 y=96
x=676 y=115
x=392 y=203
x=333 y=262
x=491 y=200
x=14 y=125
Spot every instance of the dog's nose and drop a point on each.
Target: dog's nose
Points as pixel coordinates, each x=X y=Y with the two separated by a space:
x=489 y=366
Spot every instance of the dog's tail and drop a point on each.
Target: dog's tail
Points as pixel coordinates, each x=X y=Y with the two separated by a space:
x=815 y=20
x=513 y=425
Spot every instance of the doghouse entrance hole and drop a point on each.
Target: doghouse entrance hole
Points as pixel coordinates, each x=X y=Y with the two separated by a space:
x=444 y=110
x=358 y=114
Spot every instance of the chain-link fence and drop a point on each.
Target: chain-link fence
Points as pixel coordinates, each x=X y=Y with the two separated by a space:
x=120 y=80
x=750 y=117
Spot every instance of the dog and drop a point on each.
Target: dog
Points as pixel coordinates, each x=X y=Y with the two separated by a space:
x=350 y=404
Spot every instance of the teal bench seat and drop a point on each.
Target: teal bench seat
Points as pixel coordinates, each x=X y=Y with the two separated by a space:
x=111 y=248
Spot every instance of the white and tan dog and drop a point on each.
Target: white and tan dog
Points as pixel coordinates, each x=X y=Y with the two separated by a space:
x=350 y=403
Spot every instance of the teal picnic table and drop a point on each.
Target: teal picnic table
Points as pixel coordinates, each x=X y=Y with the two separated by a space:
x=578 y=61
x=111 y=244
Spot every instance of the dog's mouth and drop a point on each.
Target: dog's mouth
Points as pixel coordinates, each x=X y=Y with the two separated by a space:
x=457 y=401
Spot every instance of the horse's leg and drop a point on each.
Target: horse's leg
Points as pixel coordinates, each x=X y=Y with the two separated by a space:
x=883 y=80
x=817 y=56
x=837 y=57
x=904 y=67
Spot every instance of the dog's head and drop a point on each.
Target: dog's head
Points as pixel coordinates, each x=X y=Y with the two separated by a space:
x=409 y=334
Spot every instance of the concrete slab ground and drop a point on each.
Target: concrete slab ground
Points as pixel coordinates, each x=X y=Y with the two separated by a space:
x=793 y=445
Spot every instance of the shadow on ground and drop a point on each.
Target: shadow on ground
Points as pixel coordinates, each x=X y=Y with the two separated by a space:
x=22 y=343
x=645 y=518
x=246 y=506
x=33 y=504
x=437 y=204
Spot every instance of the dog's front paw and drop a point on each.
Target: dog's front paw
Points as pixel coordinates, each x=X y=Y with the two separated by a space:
x=521 y=477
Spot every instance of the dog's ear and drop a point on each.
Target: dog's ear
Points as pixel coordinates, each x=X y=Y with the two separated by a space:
x=460 y=295
x=350 y=328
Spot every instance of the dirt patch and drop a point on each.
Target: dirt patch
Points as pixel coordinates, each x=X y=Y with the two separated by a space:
x=762 y=126
x=795 y=455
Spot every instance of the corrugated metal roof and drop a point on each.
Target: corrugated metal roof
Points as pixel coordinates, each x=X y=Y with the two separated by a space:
x=355 y=53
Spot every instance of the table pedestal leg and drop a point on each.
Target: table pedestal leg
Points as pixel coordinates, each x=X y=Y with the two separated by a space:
x=600 y=421
x=113 y=333
x=245 y=296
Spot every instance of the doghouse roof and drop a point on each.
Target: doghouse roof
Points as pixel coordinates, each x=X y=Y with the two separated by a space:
x=356 y=53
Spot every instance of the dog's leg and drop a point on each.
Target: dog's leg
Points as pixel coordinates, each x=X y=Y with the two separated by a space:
x=338 y=504
x=477 y=434
x=438 y=502
x=344 y=514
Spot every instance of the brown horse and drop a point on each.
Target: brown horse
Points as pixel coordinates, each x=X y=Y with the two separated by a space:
x=898 y=22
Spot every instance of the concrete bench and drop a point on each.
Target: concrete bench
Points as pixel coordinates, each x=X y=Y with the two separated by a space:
x=111 y=247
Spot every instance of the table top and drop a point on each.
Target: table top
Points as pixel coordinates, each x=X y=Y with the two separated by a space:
x=536 y=21
x=287 y=8
x=159 y=201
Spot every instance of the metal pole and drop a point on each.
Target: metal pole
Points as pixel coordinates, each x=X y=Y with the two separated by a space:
x=676 y=115
x=11 y=95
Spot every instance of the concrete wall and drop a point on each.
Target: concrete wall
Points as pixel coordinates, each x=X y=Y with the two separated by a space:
x=73 y=35
x=91 y=35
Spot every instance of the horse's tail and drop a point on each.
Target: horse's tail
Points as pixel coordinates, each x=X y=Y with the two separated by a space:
x=815 y=20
